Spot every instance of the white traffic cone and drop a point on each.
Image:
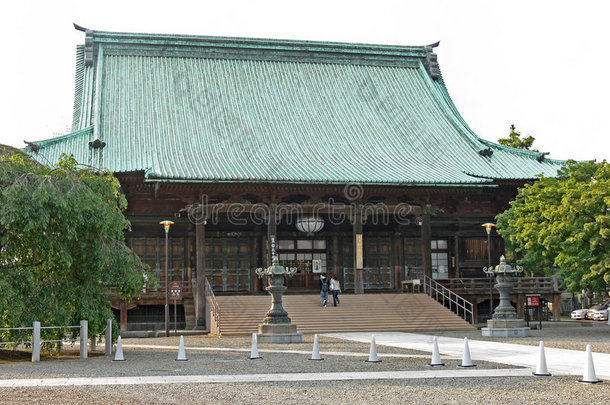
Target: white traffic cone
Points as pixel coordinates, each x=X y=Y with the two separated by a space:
x=541 y=370
x=466 y=360
x=436 y=356
x=254 y=351
x=118 y=356
x=181 y=352
x=589 y=376
x=315 y=355
x=373 y=352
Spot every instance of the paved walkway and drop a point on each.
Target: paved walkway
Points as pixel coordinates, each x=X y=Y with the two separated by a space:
x=257 y=378
x=559 y=361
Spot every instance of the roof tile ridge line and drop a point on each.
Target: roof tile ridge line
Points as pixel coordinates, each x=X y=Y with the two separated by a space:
x=50 y=141
x=175 y=179
x=97 y=101
x=443 y=105
x=526 y=153
x=451 y=104
x=522 y=152
x=79 y=85
x=292 y=44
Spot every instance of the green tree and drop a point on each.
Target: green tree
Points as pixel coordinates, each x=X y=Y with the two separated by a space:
x=564 y=221
x=514 y=140
x=62 y=245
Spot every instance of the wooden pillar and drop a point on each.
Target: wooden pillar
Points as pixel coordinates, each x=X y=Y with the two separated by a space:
x=123 y=316
x=456 y=255
x=426 y=250
x=253 y=262
x=556 y=306
x=199 y=293
x=337 y=270
x=262 y=243
x=399 y=259
x=358 y=252
x=521 y=306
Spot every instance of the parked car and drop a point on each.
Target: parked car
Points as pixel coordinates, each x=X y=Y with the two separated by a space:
x=579 y=313
x=600 y=315
x=596 y=308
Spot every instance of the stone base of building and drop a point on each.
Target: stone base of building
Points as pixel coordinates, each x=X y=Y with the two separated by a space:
x=278 y=333
x=506 y=332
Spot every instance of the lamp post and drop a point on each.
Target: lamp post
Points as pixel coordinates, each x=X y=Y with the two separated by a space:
x=166 y=224
x=489 y=270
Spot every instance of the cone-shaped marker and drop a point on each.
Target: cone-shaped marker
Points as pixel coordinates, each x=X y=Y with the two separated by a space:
x=254 y=352
x=373 y=352
x=315 y=355
x=589 y=376
x=436 y=356
x=466 y=360
x=118 y=356
x=181 y=352
x=541 y=370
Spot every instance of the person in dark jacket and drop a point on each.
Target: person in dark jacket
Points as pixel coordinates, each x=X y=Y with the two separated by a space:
x=324 y=288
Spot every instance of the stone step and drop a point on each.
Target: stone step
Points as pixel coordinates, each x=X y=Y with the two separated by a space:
x=382 y=312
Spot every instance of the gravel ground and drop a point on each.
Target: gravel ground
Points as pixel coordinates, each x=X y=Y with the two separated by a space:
x=144 y=361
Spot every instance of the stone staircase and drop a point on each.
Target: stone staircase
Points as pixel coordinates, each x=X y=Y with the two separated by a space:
x=189 y=313
x=356 y=313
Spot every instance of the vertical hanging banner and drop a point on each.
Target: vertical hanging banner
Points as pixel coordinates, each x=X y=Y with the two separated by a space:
x=359 y=261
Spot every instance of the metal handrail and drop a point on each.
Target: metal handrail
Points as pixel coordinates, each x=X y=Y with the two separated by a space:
x=212 y=309
x=439 y=292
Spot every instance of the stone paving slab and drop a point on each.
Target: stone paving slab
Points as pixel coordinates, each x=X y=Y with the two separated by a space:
x=559 y=361
x=257 y=378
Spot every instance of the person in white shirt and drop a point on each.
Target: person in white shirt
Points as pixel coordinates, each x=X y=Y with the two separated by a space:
x=335 y=288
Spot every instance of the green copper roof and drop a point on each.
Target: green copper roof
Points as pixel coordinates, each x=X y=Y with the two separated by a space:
x=208 y=109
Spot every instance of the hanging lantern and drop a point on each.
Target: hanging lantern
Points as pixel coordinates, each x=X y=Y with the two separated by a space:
x=310 y=225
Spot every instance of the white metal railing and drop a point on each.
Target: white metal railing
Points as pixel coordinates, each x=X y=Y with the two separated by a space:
x=212 y=310
x=449 y=299
x=37 y=341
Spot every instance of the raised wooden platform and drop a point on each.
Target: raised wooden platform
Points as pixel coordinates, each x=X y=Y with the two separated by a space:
x=356 y=313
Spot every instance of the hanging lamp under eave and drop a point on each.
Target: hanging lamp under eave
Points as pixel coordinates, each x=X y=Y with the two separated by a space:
x=310 y=225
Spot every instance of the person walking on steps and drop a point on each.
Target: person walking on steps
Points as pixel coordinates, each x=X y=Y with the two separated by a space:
x=324 y=288
x=335 y=289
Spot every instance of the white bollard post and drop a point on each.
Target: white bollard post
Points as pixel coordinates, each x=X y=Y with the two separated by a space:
x=119 y=350
x=108 y=342
x=181 y=351
x=254 y=350
x=84 y=339
x=541 y=369
x=589 y=376
x=436 y=356
x=36 y=342
x=373 y=352
x=315 y=355
x=466 y=359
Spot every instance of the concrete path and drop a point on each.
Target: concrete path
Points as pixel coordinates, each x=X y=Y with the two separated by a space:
x=257 y=378
x=559 y=361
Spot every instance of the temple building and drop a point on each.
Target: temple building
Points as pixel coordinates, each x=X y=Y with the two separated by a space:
x=339 y=158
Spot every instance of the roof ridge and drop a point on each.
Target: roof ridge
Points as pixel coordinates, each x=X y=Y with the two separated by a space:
x=61 y=138
x=268 y=48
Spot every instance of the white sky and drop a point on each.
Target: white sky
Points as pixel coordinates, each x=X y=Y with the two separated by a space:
x=541 y=65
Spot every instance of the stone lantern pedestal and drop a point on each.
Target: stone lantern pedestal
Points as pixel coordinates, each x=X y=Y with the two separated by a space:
x=277 y=327
x=504 y=322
